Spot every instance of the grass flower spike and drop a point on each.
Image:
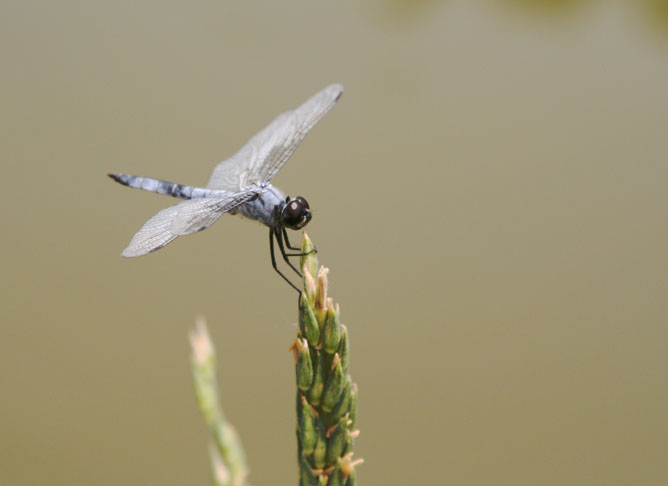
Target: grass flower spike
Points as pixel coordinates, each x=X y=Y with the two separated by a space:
x=326 y=394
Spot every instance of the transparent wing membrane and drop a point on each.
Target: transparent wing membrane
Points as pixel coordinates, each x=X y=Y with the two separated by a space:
x=263 y=156
x=184 y=218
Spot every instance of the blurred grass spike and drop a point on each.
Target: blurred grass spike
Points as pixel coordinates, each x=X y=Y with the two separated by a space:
x=220 y=474
x=228 y=459
x=326 y=408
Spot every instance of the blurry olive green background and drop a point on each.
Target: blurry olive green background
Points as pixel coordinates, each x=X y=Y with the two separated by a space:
x=490 y=194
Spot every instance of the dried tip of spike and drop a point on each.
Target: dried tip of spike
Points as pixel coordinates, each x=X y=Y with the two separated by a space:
x=329 y=431
x=309 y=281
x=200 y=342
x=305 y=403
x=335 y=361
x=295 y=347
x=321 y=292
x=348 y=465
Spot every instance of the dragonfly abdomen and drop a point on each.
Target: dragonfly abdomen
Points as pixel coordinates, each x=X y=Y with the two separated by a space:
x=161 y=187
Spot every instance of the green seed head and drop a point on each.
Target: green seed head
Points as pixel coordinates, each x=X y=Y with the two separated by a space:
x=337 y=440
x=343 y=406
x=336 y=476
x=306 y=476
x=319 y=376
x=352 y=411
x=320 y=447
x=307 y=429
x=344 y=347
x=304 y=365
x=331 y=330
x=308 y=324
x=327 y=407
x=334 y=386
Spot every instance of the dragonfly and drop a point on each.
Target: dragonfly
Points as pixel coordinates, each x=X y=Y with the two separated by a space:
x=239 y=185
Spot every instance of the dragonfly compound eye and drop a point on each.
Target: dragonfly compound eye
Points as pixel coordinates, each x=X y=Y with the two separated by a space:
x=302 y=201
x=296 y=213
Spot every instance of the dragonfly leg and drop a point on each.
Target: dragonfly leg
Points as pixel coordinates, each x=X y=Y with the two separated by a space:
x=279 y=240
x=287 y=243
x=273 y=259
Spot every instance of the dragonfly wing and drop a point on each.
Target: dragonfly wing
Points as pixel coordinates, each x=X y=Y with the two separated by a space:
x=264 y=154
x=205 y=211
x=232 y=174
x=275 y=146
x=155 y=233
x=182 y=219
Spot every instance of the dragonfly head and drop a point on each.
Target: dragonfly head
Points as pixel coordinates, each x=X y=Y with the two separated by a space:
x=296 y=213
